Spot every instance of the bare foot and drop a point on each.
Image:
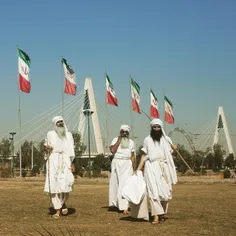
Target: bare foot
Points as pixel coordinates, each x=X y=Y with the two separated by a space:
x=126 y=212
x=155 y=220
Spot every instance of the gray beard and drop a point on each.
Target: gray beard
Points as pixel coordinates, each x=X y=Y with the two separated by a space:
x=61 y=131
x=124 y=143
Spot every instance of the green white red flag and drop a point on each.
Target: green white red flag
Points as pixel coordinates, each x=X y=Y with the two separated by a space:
x=23 y=71
x=111 y=95
x=153 y=105
x=135 y=93
x=169 y=116
x=70 y=78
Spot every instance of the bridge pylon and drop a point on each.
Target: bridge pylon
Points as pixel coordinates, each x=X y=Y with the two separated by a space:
x=88 y=89
x=222 y=124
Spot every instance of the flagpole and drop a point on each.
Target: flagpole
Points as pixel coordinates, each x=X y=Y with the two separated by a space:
x=149 y=98
x=62 y=92
x=149 y=117
x=106 y=107
x=164 y=122
x=131 y=116
x=19 y=121
x=19 y=118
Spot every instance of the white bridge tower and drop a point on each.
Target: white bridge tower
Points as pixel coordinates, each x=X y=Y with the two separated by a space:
x=221 y=124
x=88 y=88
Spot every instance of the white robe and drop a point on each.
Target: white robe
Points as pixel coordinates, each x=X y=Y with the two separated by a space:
x=159 y=171
x=59 y=178
x=121 y=170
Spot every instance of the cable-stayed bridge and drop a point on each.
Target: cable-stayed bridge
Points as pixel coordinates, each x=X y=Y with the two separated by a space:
x=105 y=125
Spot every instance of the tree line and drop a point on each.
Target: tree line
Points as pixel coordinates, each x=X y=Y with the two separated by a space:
x=199 y=161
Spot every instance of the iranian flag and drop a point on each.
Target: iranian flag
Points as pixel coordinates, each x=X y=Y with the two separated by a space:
x=23 y=69
x=70 y=83
x=135 y=93
x=111 y=95
x=153 y=105
x=169 y=116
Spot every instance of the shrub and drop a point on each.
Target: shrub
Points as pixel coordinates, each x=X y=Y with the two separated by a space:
x=227 y=174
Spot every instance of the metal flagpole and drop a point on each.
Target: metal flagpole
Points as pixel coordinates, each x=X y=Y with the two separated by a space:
x=107 y=132
x=19 y=120
x=62 y=90
x=32 y=155
x=131 y=116
x=164 y=122
x=19 y=115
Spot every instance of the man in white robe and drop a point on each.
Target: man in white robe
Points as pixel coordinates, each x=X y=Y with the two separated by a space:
x=59 y=147
x=159 y=171
x=122 y=166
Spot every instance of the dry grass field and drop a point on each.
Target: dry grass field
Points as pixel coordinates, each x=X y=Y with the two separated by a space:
x=199 y=207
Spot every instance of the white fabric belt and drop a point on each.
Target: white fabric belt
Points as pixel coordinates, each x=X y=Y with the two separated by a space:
x=122 y=158
x=158 y=160
x=56 y=151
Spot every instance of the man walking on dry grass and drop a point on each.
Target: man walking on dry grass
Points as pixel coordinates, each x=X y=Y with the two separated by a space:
x=159 y=169
x=122 y=166
x=59 y=146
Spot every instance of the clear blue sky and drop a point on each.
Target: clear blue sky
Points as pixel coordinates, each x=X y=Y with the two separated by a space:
x=184 y=49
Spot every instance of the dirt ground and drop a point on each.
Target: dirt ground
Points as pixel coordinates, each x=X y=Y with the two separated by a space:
x=204 y=206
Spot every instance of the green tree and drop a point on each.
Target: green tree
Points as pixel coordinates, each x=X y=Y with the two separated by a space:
x=98 y=165
x=5 y=148
x=197 y=158
x=229 y=161
x=214 y=160
x=218 y=157
x=181 y=167
x=26 y=154
x=80 y=164
x=38 y=155
x=79 y=146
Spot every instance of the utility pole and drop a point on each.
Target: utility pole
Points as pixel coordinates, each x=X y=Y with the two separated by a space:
x=32 y=155
x=12 y=153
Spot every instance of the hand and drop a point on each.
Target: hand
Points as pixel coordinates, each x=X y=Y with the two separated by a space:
x=72 y=167
x=48 y=149
x=174 y=147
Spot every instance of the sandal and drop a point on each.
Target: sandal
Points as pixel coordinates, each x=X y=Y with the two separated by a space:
x=64 y=211
x=56 y=216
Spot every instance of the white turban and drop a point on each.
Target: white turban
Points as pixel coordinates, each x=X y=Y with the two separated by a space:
x=125 y=128
x=156 y=122
x=56 y=119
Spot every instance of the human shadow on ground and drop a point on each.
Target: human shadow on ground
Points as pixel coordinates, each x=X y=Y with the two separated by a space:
x=70 y=211
x=162 y=218
x=112 y=209
x=129 y=218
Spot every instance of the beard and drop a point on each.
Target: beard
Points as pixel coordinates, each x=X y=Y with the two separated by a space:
x=124 y=143
x=156 y=135
x=61 y=131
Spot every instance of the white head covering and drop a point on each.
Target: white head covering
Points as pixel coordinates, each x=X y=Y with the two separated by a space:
x=56 y=119
x=125 y=128
x=156 y=122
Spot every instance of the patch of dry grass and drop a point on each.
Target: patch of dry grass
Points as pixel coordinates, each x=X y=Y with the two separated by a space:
x=197 y=208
